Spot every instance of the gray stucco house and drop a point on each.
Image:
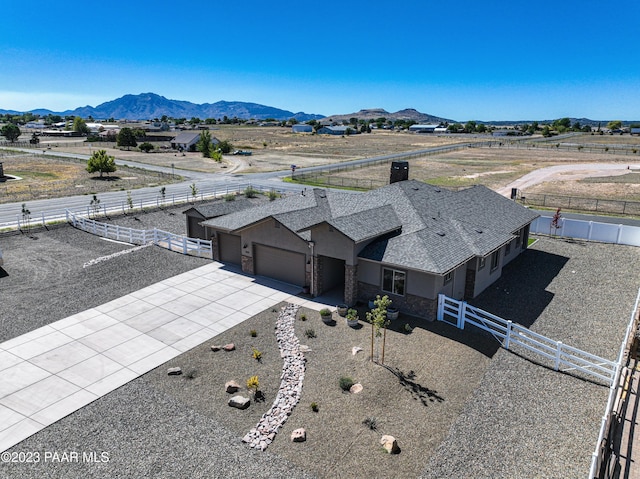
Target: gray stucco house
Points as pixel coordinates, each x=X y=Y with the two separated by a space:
x=409 y=239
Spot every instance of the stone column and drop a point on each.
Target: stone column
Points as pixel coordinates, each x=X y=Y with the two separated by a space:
x=247 y=264
x=350 y=284
x=317 y=269
x=214 y=247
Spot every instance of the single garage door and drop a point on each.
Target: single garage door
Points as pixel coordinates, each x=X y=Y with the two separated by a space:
x=279 y=264
x=229 y=248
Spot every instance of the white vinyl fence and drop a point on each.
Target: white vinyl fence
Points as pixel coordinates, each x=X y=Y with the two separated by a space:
x=164 y=239
x=563 y=357
x=588 y=230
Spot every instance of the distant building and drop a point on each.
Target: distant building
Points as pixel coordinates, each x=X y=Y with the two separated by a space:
x=301 y=128
x=337 y=130
x=185 y=141
x=635 y=131
x=423 y=128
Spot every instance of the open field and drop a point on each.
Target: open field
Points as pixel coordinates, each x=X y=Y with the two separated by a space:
x=48 y=176
x=498 y=167
x=464 y=408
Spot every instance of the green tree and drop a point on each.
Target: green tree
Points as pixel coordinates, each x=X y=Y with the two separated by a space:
x=101 y=162
x=126 y=138
x=378 y=319
x=470 y=127
x=34 y=139
x=614 y=125
x=546 y=131
x=225 y=147
x=80 y=126
x=204 y=144
x=146 y=147
x=10 y=131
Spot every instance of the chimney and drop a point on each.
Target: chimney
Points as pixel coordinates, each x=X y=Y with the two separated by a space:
x=399 y=171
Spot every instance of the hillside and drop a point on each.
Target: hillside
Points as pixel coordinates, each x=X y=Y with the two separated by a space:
x=374 y=113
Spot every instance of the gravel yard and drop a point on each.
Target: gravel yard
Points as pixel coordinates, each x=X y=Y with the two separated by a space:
x=458 y=405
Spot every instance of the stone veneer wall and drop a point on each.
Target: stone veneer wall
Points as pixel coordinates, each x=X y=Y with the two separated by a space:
x=247 y=264
x=409 y=303
x=214 y=247
x=318 y=268
x=350 y=284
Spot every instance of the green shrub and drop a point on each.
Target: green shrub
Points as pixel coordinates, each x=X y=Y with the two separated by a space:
x=310 y=333
x=315 y=407
x=371 y=423
x=229 y=197
x=250 y=192
x=257 y=355
x=325 y=312
x=253 y=333
x=346 y=383
x=272 y=195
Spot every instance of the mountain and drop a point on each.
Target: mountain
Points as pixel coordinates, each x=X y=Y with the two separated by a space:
x=406 y=114
x=146 y=106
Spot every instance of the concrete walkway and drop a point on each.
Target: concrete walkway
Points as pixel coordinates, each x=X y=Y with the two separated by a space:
x=55 y=370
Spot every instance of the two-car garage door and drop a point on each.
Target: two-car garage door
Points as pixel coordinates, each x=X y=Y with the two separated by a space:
x=280 y=264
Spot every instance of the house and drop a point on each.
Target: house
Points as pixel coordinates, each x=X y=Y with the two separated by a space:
x=409 y=239
x=337 y=130
x=302 y=128
x=185 y=141
x=199 y=213
x=423 y=128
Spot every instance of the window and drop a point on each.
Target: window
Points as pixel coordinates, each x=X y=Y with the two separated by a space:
x=507 y=248
x=393 y=281
x=494 y=260
x=447 y=277
x=481 y=262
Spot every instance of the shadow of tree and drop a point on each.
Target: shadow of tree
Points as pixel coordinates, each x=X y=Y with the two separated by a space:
x=417 y=391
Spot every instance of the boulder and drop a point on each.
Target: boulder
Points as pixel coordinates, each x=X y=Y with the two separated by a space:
x=239 y=402
x=299 y=435
x=231 y=386
x=390 y=444
x=216 y=347
x=174 y=371
x=356 y=388
x=229 y=347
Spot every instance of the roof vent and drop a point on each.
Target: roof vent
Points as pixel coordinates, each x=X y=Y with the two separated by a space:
x=478 y=230
x=437 y=190
x=415 y=188
x=440 y=233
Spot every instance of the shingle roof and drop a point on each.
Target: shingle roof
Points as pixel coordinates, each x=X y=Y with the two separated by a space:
x=220 y=208
x=418 y=226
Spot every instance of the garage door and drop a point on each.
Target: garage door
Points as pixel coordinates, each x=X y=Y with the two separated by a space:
x=229 y=248
x=279 y=264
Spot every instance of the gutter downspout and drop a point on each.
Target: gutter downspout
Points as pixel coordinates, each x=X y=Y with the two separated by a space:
x=312 y=290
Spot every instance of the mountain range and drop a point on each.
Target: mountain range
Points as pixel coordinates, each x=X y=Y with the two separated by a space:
x=147 y=106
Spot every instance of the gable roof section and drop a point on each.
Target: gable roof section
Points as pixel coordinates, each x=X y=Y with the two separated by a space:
x=418 y=226
x=220 y=208
x=186 y=138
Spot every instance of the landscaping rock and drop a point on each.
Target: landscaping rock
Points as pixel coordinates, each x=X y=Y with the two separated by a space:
x=356 y=388
x=304 y=348
x=174 y=371
x=355 y=350
x=390 y=444
x=239 y=402
x=299 y=435
x=216 y=347
x=229 y=347
x=231 y=386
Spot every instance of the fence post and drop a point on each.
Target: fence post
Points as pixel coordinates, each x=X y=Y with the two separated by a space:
x=155 y=235
x=558 y=350
x=184 y=245
x=461 y=314
x=507 y=339
x=619 y=234
x=439 y=314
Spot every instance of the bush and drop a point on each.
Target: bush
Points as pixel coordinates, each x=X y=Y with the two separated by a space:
x=257 y=355
x=272 y=195
x=310 y=333
x=146 y=147
x=250 y=192
x=325 y=312
x=371 y=423
x=315 y=407
x=252 y=383
x=253 y=333
x=346 y=383
x=303 y=317
x=229 y=197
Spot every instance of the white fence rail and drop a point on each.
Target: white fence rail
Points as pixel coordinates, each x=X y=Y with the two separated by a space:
x=563 y=357
x=164 y=239
x=588 y=230
x=615 y=402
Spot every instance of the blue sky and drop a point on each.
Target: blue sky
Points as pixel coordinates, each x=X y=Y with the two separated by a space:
x=463 y=60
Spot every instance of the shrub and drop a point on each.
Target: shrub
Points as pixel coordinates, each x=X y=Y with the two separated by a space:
x=407 y=328
x=325 y=312
x=250 y=192
x=229 y=197
x=191 y=374
x=310 y=333
x=303 y=317
x=315 y=407
x=257 y=355
x=371 y=423
x=346 y=383
x=253 y=383
x=253 y=333
x=272 y=195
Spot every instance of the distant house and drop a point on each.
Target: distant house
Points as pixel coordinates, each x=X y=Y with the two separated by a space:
x=301 y=128
x=423 y=128
x=185 y=141
x=410 y=240
x=635 y=131
x=337 y=130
